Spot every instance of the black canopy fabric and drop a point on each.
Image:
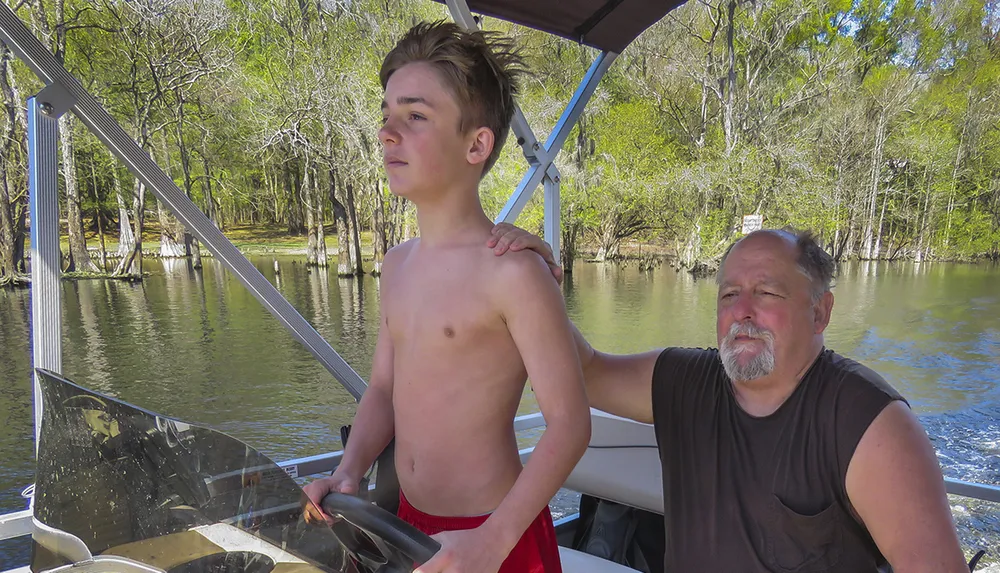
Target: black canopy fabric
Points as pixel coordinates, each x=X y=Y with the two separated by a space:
x=608 y=25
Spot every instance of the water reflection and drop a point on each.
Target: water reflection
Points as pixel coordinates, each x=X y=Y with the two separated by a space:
x=929 y=329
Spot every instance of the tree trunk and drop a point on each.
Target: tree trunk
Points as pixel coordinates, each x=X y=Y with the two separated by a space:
x=171 y=234
x=79 y=258
x=13 y=177
x=322 y=257
x=100 y=222
x=126 y=238
x=395 y=226
x=570 y=234
x=8 y=264
x=191 y=245
x=954 y=184
x=297 y=207
x=727 y=118
x=379 y=242
x=703 y=109
x=609 y=238
x=171 y=231
x=692 y=248
x=131 y=263
x=206 y=189
x=139 y=224
x=20 y=209
x=293 y=209
x=877 y=252
x=923 y=238
x=344 y=268
x=876 y=171
x=8 y=269
x=310 y=208
x=276 y=197
x=838 y=191
x=352 y=212
x=608 y=249
x=407 y=227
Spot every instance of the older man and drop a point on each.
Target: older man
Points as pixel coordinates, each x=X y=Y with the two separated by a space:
x=778 y=454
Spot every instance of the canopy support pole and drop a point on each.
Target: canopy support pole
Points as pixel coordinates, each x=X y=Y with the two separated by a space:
x=44 y=111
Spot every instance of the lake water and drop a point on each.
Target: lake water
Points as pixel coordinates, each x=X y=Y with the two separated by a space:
x=198 y=346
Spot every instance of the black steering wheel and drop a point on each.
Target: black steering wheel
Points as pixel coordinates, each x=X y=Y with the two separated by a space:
x=407 y=545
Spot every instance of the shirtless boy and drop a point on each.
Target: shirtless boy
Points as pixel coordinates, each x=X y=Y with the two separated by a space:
x=462 y=329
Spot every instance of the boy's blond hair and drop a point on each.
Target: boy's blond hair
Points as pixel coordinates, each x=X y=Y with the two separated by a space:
x=478 y=67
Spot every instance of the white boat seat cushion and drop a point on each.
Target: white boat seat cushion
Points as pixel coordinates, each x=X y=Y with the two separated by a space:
x=622 y=463
x=578 y=562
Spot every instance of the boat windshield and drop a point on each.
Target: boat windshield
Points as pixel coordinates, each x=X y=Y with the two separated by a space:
x=121 y=488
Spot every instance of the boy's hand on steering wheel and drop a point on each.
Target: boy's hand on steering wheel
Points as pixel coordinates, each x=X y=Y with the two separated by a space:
x=318 y=489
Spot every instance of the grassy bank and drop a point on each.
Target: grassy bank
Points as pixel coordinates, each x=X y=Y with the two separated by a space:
x=276 y=240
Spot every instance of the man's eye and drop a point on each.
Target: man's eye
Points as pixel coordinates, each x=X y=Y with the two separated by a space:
x=728 y=295
x=416 y=116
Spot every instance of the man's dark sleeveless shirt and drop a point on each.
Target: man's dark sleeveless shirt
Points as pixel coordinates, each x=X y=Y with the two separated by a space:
x=746 y=494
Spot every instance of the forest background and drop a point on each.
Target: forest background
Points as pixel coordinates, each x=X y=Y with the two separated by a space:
x=874 y=123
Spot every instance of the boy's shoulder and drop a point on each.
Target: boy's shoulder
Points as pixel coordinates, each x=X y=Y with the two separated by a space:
x=402 y=248
x=397 y=253
x=524 y=263
x=521 y=273
x=512 y=270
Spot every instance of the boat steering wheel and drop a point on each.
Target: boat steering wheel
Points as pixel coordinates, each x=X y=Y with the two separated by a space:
x=402 y=546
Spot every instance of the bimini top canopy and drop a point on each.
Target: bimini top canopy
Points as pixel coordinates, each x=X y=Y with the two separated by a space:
x=608 y=25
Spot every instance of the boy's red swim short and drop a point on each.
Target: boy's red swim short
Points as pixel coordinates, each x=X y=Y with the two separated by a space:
x=536 y=551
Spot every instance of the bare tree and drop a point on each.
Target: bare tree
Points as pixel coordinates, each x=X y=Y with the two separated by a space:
x=13 y=177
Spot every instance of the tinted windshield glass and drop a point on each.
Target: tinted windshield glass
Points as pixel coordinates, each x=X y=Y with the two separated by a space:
x=116 y=480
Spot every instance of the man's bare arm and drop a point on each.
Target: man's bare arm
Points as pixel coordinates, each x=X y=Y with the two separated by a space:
x=533 y=309
x=894 y=483
x=618 y=384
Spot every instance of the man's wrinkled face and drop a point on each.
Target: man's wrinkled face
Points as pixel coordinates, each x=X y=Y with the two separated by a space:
x=765 y=308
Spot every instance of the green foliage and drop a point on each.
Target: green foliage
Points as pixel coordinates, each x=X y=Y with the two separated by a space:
x=869 y=121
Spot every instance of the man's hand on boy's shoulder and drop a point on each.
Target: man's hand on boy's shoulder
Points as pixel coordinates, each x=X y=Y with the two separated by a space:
x=465 y=551
x=507 y=237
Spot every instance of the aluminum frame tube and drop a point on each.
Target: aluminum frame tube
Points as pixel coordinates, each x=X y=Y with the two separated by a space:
x=557 y=138
x=46 y=257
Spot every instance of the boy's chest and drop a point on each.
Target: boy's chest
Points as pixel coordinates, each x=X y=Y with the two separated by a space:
x=441 y=306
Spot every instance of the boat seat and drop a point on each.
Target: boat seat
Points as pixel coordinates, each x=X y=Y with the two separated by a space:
x=621 y=464
x=578 y=562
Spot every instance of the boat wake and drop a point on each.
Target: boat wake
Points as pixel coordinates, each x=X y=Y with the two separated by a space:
x=968 y=448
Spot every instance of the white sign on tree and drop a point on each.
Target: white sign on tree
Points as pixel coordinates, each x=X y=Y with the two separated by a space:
x=752 y=223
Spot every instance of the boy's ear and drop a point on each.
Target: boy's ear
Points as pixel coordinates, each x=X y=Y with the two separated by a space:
x=481 y=146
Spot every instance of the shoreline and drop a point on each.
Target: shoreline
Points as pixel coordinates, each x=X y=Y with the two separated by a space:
x=274 y=240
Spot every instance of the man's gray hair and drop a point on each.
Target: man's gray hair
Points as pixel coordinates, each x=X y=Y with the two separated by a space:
x=813 y=261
